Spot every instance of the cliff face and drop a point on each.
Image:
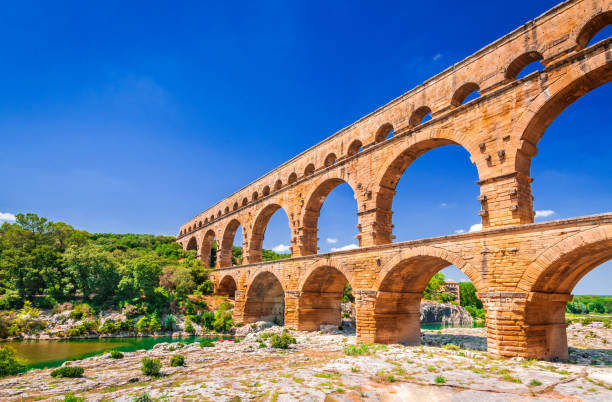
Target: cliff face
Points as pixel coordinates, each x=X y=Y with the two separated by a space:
x=447 y=314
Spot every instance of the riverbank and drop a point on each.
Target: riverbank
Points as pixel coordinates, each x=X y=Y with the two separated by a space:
x=318 y=367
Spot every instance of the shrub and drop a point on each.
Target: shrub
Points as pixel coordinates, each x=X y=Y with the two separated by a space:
x=587 y=321
x=535 y=383
x=68 y=372
x=150 y=366
x=9 y=363
x=207 y=318
x=109 y=327
x=282 y=341
x=71 y=398
x=189 y=327
x=81 y=311
x=440 y=380
x=142 y=325
x=177 y=360
x=143 y=398
x=207 y=343
x=169 y=322
x=357 y=350
x=115 y=354
x=223 y=320
x=154 y=324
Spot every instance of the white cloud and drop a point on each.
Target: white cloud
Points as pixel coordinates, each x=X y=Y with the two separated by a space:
x=476 y=227
x=544 y=213
x=281 y=248
x=444 y=205
x=7 y=216
x=332 y=241
x=459 y=231
x=437 y=56
x=347 y=247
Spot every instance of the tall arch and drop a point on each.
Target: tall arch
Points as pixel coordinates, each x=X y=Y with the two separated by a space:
x=391 y=174
x=312 y=210
x=400 y=288
x=192 y=244
x=320 y=298
x=265 y=299
x=545 y=108
x=206 y=254
x=227 y=243
x=258 y=230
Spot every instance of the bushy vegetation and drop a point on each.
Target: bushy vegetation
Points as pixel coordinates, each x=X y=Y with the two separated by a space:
x=9 y=363
x=282 y=341
x=177 y=360
x=68 y=372
x=115 y=354
x=151 y=367
x=590 y=305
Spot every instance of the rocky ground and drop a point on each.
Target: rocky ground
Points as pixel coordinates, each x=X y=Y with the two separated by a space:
x=317 y=368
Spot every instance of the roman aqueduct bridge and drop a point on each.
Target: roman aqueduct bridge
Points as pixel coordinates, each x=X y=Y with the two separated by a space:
x=524 y=272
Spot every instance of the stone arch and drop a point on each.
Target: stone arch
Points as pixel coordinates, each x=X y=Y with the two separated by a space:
x=547 y=106
x=255 y=196
x=227 y=243
x=462 y=93
x=549 y=280
x=312 y=209
x=227 y=286
x=265 y=298
x=192 y=244
x=227 y=210
x=235 y=206
x=391 y=173
x=560 y=267
x=519 y=63
x=219 y=214
x=258 y=230
x=320 y=298
x=266 y=191
x=309 y=169
x=382 y=132
x=354 y=148
x=418 y=115
x=278 y=185
x=292 y=178
x=206 y=248
x=245 y=202
x=595 y=24
x=330 y=160
x=400 y=287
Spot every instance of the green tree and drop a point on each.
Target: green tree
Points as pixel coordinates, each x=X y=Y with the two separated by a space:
x=467 y=295
x=92 y=270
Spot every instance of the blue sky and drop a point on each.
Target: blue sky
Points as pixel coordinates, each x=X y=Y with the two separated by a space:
x=134 y=118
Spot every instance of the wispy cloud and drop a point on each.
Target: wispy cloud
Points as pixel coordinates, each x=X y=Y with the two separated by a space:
x=459 y=231
x=544 y=213
x=437 y=57
x=443 y=205
x=476 y=227
x=347 y=247
x=281 y=248
x=331 y=240
x=7 y=216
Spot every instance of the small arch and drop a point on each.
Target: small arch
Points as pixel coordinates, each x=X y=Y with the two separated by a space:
x=278 y=185
x=212 y=218
x=227 y=243
x=265 y=300
x=266 y=191
x=192 y=244
x=463 y=92
x=245 y=201
x=320 y=298
x=591 y=28
x=258 y=230
x=309 y=170
x=383 y=132
x=519 y=64
x=206 y=250
x=418 y=115
x=200 y=224
x=255 y=196
x=219 y=214
x=206 y=221
x=354 y=148
x=235 y=207
x=227 y=287
x=292 y=178
x=227 y=210
x=330 y=160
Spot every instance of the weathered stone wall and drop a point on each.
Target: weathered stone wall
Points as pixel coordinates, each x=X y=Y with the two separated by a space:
x=524 y=272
